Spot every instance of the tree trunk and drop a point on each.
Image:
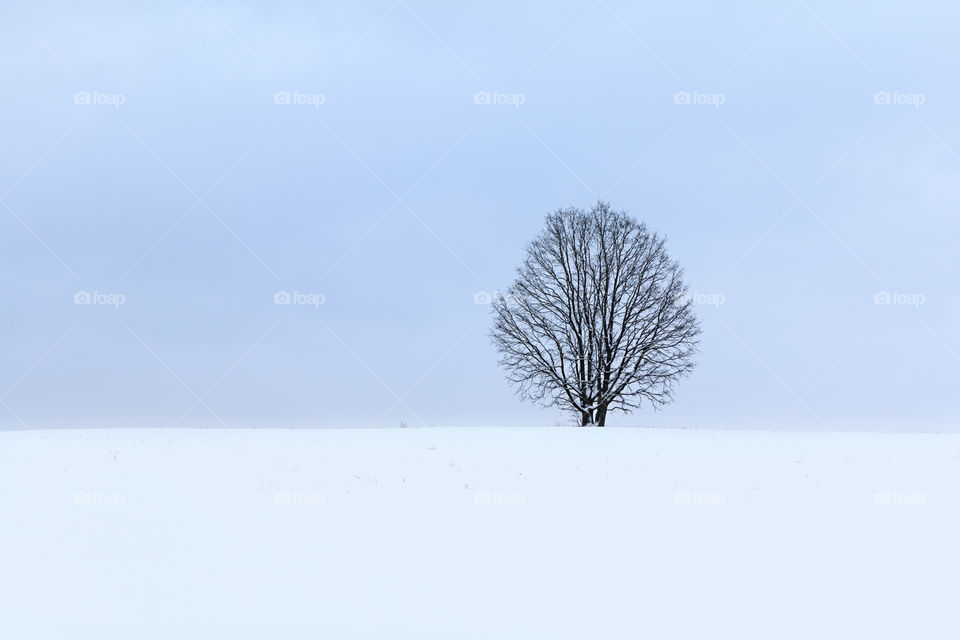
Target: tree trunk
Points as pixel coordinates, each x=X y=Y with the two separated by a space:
x=594 y=417
x=601 y=415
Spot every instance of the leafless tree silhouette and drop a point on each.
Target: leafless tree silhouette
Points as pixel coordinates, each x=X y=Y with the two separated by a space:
x=598 y=318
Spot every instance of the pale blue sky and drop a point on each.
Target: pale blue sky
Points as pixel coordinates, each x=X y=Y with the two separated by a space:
x=398 y=198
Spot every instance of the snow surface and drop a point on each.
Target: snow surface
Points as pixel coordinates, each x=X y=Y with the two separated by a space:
x=477 y=533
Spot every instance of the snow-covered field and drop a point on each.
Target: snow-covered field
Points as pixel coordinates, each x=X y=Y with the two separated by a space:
x=477 y=533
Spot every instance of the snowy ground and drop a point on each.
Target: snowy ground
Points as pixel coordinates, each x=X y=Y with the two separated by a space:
x=477 y=533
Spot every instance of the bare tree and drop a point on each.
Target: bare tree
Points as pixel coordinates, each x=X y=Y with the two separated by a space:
x=598 y=318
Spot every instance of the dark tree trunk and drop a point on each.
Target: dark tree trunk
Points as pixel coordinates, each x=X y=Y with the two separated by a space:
x=585 y=419
x=601 y=415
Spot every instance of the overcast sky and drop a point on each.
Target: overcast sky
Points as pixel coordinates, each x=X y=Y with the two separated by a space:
x=181 y=163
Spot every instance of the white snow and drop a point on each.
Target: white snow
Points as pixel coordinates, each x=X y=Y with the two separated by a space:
x=477 y=533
